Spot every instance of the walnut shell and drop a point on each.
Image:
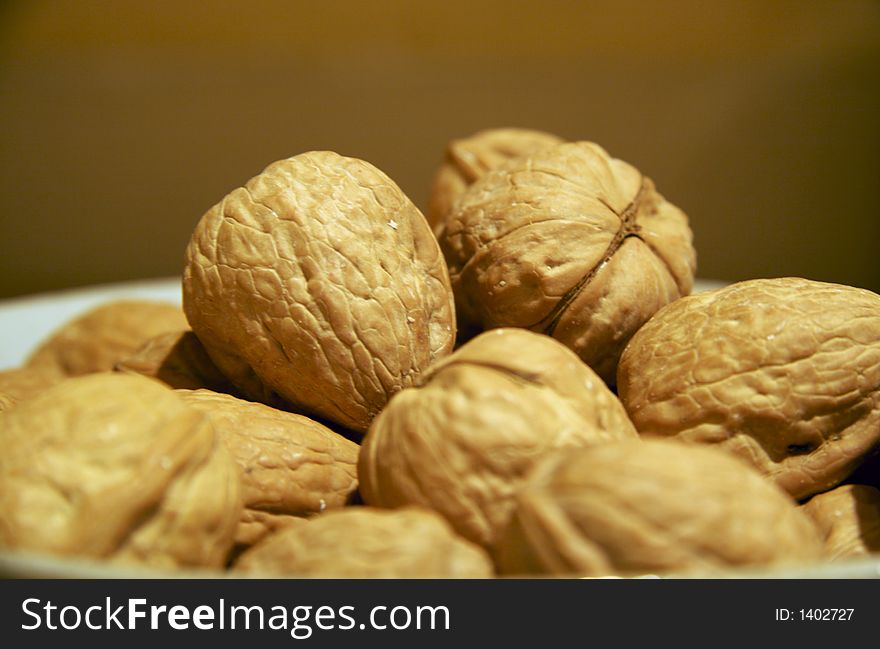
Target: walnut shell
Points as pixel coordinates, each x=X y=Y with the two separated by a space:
x=782 y=372
x=255 y=525
x=361 y=542
x=462 y=440
x=179 y=360
x=97 y=339
x=290 y=464
x=23 y=382
x=569 y=242
x=320 y=280
x=656 y=506
x=849 y=518
x=118 y=467
x=469 y=159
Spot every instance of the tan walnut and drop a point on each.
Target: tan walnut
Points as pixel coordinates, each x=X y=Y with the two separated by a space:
x=116 y=467
x=463 y=439
x=655 y=506
x=849 y=518
x=319 y=280
x=783 y=372
x=470 y=158
x=290 y=464
x=361 y=542
x=95 y=340
x=569 y=242
x=179 y=360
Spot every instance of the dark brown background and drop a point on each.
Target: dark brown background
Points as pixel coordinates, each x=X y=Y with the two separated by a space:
x=121 y=122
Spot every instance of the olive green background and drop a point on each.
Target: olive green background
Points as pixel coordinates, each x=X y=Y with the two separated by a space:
x=121 y=122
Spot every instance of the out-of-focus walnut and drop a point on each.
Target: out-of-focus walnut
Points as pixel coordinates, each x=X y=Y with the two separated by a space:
x=321 y=281
x=361 y=542
x=23 y=382
x=656 y=506
x=569 y=242
x=290 y=464
x=849 y=518
x=97 y=339
x=179 y=360
x=116 y=466
x=462 y=441
x=469 y=159
x=782 y=372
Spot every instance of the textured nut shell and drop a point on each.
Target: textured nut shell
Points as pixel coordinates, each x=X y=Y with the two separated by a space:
x=97 y=339
x=256 y=525
x=360 y=542
x=23 y=382
x=783 y=372
x=657 y=506
x=322 y=281
x=463 y=441
x=849 y=518
x=179 y=360
x=468 y=159
x=289 y=463
x=572 y=243
x=116 y=466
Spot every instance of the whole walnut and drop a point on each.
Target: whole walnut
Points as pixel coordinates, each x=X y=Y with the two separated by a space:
x=655 y=506
x=849 y=518
x=179 y=360
x=290 y=464
x=470 y=158
x=782 y=372
x=569 y=242
x=361 y=542
x=117 y=467
x=319 y=280
x=95 y=340
x=463 y=439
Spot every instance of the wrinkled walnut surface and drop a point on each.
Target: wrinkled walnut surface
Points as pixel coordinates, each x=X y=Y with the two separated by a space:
x=782 y=372
x=320 y=280
x=849 y=518
x=290 y=464
x=569 y=242
x=117 y=467
x=179 y=360
x=470 y=158
x=652 y=506
x=97 y=339
x=23 y=382
x=361 y=542
x=462 y=441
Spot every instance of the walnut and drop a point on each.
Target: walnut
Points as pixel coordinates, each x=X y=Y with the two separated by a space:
x=655 y=506
x=469 y=159
x=179 y=360
x=462 y=440
x=569 y=242
x=22 y=382
x=849 y=518
x=782 y=372
x=117 y=467
x=97 y=339
x=320 y=281
x=290 y=464
x=361 y=542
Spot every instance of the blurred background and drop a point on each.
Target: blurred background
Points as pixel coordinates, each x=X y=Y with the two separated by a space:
x=123 y=121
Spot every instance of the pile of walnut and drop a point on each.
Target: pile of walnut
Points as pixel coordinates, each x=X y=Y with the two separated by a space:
x=518 y=384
